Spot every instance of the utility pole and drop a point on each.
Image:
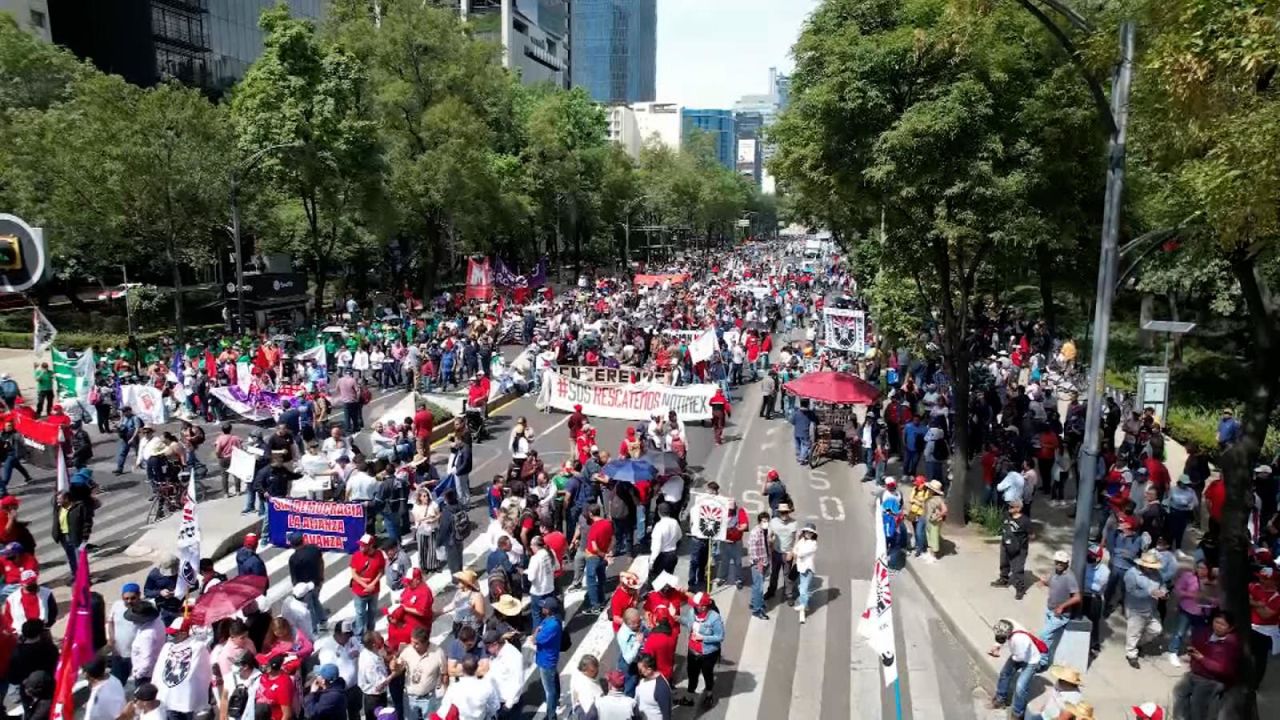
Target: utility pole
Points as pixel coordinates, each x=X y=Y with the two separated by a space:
x=1107 y=265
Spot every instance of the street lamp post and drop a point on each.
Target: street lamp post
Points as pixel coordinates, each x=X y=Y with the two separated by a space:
x=236 y=174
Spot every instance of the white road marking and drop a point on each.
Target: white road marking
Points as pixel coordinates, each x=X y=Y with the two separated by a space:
x=926 y=695
x=865 y=685
x=806 y=689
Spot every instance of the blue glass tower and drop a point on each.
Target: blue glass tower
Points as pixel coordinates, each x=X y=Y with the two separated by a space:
x=614 y=47
x=722 y=128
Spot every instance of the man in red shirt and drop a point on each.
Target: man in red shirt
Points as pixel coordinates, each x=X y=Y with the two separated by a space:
x=13 y=560
x=367 y=566
x=423 y=423
x=575 y=423
x=599 y=551
x=1157 y=475
x=625 y=596
x=276 y=689
x=557 y=543
x=417 y=600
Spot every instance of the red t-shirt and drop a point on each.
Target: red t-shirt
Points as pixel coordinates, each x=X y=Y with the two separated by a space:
x=423 y=423
x=618 y=604
x=367 y=567
x=1270 y=598
x=419 y=599
x=277 y=692
x=600 y=535
x=1048 y=445
x=1214 y=497
x=663 y=649
x=674 y=600
x=557 y=543
x=989 y=460
x=13 y=567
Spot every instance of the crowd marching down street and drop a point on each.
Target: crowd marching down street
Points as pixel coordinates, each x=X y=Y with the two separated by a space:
x=574 y=522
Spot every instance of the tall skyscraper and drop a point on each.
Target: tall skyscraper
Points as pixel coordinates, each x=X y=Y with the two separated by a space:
x=720 y=125
x=206 y=43
x=615 y=46
x=534 y=35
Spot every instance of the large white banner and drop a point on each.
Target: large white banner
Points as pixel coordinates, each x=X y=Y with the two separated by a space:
x=704 y=347
x=626 y=402
x=845 y=329
x=147 y=403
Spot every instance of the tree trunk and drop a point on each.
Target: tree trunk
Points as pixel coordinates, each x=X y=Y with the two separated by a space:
x=178 y=319
x=1044 y=261
x=955 y=358
x=1238 y=461
x=321 y=269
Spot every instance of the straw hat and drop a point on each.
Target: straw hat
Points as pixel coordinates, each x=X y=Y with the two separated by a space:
x=629 y=580
x=1080 y=710
x=1149 y=560
x=1066 y=674
x=511 y=607
x=935 y=486
x=467 y=577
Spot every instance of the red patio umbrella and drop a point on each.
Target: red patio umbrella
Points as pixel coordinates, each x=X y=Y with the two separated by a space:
x=227 y=598
x=835 y=388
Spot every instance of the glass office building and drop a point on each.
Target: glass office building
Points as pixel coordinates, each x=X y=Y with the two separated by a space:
x=234 y=38
x=614 y=49
x=720 y=124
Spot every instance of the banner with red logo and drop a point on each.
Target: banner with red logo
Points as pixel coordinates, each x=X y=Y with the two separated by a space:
x=479 y=279
x=708 y=516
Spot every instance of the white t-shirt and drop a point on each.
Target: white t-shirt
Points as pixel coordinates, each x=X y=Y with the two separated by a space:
x=1022 y=649
x=106 y=700
x=329 y=652
x=371 y=671
x=124 y=630
x=666 y=535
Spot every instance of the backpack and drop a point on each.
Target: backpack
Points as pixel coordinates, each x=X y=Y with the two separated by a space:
x=237 y=701
x=461 y=524
x=618 y=509
x=940 y=450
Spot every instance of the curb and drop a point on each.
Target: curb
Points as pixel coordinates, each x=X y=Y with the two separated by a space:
x=979 y=654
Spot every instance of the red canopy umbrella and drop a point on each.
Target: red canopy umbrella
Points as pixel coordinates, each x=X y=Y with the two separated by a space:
x=227 y=598
x=836 y=388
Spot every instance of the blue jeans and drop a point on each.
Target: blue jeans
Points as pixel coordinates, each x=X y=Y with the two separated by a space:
x=73 y=552
x=250 y=498
x=909 y=463
x=1054 y=626
x=802 y=450
x=389 y=522
x=1019 y=674
x=462 y=485
x=757 y=589
x=595 y=581
x=638 y=536
x=730 y=562
x=1182 y=622
x=366 y=614
x=122 y=454
x=12 y=463
x=318 y=613
x=420 y=706
x=632 y=679
x=921 y=524
x=550 y=688
x=806 y=582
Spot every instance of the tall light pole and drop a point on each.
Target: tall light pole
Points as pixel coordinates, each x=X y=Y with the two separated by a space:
x=236 y=173
x=1107 y=266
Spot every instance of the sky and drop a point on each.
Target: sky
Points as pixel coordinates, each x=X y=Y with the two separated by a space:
x=710 y=52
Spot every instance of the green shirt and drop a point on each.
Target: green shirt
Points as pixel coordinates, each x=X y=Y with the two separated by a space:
x=44 y=380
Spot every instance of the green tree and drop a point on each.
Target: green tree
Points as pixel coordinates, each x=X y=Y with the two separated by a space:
x=306 y=103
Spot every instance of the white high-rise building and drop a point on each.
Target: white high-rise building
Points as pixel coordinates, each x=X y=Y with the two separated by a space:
x=32 y=16
x=623 y=129
x=659 y=122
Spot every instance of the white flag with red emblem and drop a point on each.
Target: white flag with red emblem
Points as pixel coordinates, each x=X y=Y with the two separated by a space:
x=708 y=516
x=188 y=543
x=876 y=624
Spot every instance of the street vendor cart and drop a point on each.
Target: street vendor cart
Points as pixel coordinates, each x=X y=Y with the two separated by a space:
x=834 y=396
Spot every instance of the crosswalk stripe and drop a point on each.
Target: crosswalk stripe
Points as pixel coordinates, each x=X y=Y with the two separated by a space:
x=753 y=663
x=922 y=686
x=864 y=664
x=806 y=695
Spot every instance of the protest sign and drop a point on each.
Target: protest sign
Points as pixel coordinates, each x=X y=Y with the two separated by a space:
x=147 y=403
x=708 y=516
x=330 y=526
x=617 y=376
x=626 y=402
x=845 y=329
x=243 y=464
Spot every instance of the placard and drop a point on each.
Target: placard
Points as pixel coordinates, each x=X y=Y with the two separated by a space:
x=330 y=526
x=243 y=465
x=617 y=376
x=845 y=329
x=626 y=402
x=708 y=516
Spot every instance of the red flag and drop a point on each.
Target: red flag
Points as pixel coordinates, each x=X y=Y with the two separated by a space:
x=261 y=360
x=77 y=643
x=210 y=366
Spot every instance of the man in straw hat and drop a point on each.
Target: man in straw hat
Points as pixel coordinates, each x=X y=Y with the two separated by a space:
x=1142 y=588
x=1064 y=693
x=1064 y=597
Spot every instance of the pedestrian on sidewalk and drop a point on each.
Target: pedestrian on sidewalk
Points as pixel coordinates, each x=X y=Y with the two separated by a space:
x=720 y=412
x=1183 y=501
x=768 y=394
x=729 y=569
x=546 y=640
x=1142 y=588
x=758 y=553
x=706 y=633
x=916 y=519
x=130 y=433
x=1127 y=545
x=1014 y=542
x=1064 y=597
x=1192 y=613
x=935 y=513
x=803 y=422
x=1027 y=655
x=1215 y=655
x=367 y=567
x=1096 y=574
x=1065 y=693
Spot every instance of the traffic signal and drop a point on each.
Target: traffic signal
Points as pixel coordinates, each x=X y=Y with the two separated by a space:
x=10 y=252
